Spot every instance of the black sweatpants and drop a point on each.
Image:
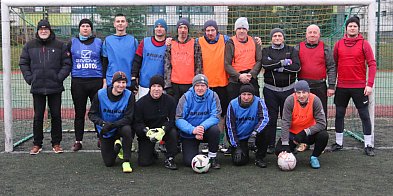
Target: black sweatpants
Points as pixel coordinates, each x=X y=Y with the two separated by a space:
x=341 y=99
x=54 y=103
x=320 y=140
x=146 y=148
x=275 y=103
x=179 y=90
x=261 y=143
x=320 y=90
x=190 y=146
x=81 y=90
x=108 y=150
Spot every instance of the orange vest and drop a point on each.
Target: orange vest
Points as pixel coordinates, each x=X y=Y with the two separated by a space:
x=182 y=60
x=244 y=57
x=312 y=62
x=302 y=118
x=213 y=62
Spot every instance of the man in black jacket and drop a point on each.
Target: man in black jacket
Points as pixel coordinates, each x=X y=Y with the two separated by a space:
x=45 y=63
x=156 y=111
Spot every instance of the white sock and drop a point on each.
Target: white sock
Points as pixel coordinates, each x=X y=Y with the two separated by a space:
x=339 y=138
x=367 y=141
x=212 y=154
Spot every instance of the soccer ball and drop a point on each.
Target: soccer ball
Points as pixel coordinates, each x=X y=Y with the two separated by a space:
x=286 y=161
x=200 y=163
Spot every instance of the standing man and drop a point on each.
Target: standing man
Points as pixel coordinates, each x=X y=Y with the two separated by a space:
x=156 y=111
x=197 y=117
x=182 y=61
x=87 y=77
x=45 y=64
x=350 y=54
x=118 y=51
x=246 y=120
x=316 y=62
x=112 y=113
x=303 y=121
x=281 y=64
x=149 y=58
x=242 y=59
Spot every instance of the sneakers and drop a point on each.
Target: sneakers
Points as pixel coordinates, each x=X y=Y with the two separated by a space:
x=162 y=148
x=369 y=151
x=214 y=163
x=77 y=146
x=314 y=162
x=205 y=149
x=35 y=150
x=260 y=163
x=228 y=152
x=120 y=154
x=126 y=167
x=222 y=148
x=270 y=150
x=57 y=149
x=336 y=147
x=170 y=163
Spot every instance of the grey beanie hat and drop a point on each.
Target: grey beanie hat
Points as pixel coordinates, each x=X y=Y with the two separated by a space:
x=275 y=30
x=242 y=23
x=183 y=21
x=301 y=85
x=200 y=78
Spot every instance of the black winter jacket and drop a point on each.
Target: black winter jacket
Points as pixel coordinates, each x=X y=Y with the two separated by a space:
x=45 y=64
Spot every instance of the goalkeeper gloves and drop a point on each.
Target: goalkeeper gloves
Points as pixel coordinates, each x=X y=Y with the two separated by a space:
x=156 y=134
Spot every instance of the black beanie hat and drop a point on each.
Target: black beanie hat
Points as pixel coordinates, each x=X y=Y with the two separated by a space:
x=209 y=23
x=354 y=19
x=247 y=88
x=119 y=76
x=157 y=79
x=44 y=23
x=86 y=21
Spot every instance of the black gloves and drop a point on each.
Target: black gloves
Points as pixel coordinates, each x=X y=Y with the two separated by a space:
x=251 y=141
x=106 y=127
x=134 y=85
x=286 y=148
x=300 y=137
x=237 y=155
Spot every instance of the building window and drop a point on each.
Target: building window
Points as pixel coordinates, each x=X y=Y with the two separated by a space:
x=156 y=9
x=194 y=9
x=83 y=10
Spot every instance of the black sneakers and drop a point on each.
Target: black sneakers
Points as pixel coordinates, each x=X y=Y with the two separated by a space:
x=260 y=163
x=170 y=163
x=369 y=151
x=270 y=150
x=214 y=163
x=336 y=147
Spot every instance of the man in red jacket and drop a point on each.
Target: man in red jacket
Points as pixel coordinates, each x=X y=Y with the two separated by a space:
x=350 y=54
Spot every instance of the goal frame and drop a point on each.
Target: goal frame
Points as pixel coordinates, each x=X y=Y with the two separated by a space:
x=6 y=42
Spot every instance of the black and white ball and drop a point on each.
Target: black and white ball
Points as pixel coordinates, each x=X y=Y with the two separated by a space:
x=200 y=163
x=286 y=161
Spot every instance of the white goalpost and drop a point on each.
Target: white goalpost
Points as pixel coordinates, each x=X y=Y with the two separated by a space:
x=6 y=37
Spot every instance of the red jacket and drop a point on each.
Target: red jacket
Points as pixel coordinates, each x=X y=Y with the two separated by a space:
x=350 y=55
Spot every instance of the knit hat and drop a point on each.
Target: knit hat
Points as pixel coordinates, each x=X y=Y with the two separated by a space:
x=183 y=21
x=241 y=23
x=157 y=79
x=354 y=19
x=119 y=76
x=275 y=30
x=249 y=88
x=86 y=21
x=211 y=23
x=161 y=22
x=200 y=78
x=301 y=85
x=43 y=23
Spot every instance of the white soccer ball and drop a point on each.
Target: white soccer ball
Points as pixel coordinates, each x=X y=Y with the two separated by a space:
x=286 y=161
x=200 y=163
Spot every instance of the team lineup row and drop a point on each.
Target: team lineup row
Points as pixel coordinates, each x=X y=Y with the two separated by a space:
x=193 y=90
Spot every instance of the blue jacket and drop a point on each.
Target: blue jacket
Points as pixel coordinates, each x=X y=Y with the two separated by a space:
x=193 y=110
